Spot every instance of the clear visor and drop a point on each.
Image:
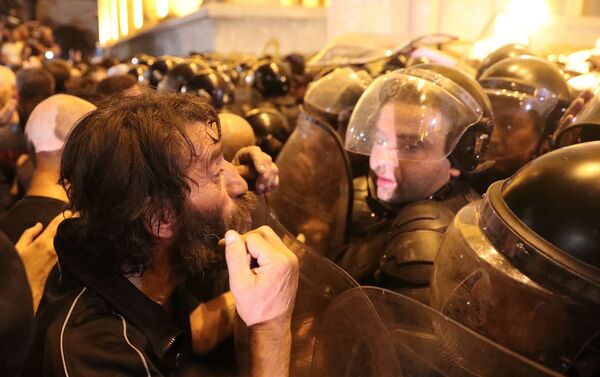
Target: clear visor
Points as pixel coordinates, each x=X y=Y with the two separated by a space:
x=413 y=114
x=337 y=90
x=476 y=284
x=520 y=115
x=585 y=127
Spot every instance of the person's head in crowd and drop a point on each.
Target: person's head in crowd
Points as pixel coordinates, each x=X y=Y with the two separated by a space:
x=109 y=61
x=33 y=86
x=147 y=172
x=118 y=84
x=74 y=40
x=11 y=54
x=61 y=71
x=8 y=84
x=237 y=133
x=86 y=85
x=8 y=94
x=46 y=131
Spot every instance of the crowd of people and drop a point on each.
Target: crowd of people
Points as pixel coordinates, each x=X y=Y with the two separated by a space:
x=129 y=190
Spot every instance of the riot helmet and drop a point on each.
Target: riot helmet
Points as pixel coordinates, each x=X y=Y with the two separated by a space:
x=159 y=69
x=179 y=76
x=335 y=93
x=271 y=129
x=585 y=127
x=511 y=50
x=467 y=155
x=270 y=78
x=213 y=85
x=528 y=96
x=522 y=266
x=406 y=120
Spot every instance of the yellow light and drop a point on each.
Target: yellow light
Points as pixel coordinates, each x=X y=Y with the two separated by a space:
x=123 y=17
x=138 y=14
x=310 y=3
x=288 y=3
x=162 y=8
x=103 y=22
x=185 y=7
x=114 y=20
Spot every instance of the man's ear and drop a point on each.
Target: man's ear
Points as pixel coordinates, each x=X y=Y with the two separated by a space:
x=454 y=172
x=161 y=224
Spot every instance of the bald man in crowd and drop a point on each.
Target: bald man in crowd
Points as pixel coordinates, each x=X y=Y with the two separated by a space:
x=46 y=131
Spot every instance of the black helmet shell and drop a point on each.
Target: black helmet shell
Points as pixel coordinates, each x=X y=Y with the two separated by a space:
x=271 y=79
x=556 y=196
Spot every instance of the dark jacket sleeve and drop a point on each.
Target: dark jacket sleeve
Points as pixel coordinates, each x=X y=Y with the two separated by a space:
x=16 y=318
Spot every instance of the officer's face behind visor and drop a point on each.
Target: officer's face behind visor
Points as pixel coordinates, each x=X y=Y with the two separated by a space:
x=409 y=121
x=409 y=160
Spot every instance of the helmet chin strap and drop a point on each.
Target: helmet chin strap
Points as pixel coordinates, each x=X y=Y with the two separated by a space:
x=376 y=206
x=388 y=210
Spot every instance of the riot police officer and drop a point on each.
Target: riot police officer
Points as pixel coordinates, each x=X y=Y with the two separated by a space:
x=410 y=122
x=529 y=95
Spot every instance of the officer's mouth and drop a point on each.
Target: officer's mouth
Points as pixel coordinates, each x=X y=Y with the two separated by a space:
x=385 y=182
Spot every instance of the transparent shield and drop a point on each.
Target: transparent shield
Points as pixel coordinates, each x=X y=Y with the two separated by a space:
x=477 y=286
x=349 y=49
x=313 y=200
x=373 y=332
x=413 y=114
x=320 y=282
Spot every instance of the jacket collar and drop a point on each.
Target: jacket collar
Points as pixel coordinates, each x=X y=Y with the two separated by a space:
x=145 y=314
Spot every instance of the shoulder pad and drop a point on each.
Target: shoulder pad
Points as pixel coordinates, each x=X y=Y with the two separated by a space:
x=423 y=215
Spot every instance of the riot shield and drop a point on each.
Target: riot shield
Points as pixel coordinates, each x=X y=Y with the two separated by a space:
x=314 y=197
x=352 y=48
x=320 y=282
x=373 y=332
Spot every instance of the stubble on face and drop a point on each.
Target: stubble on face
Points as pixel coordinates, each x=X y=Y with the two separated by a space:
x=197 y=245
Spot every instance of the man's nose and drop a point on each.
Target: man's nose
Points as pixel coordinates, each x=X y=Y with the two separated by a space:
x=234 y=183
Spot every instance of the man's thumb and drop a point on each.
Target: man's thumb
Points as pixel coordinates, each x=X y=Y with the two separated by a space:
x=236 y=256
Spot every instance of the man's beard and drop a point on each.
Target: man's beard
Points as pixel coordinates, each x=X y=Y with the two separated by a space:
x=197 y=246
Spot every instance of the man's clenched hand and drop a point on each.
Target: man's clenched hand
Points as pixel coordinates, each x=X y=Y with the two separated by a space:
x=257 y=168
x=266 y=292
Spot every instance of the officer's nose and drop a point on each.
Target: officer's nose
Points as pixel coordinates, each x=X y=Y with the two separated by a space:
x=383 y=160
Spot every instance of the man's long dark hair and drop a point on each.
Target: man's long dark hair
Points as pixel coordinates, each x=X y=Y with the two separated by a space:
x=126 y=162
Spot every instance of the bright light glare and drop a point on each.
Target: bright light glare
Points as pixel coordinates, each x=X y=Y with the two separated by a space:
x=123 y=17
x=185 y=7
x=138 y=14
x=521 y=19
x=162 y=8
